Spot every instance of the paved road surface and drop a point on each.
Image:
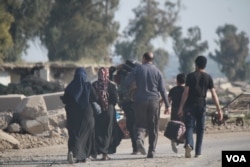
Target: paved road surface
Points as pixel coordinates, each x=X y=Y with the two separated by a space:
x=213 y=145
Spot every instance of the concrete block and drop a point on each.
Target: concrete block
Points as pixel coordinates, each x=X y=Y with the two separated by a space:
x=10 y=102
x=53 y=101
x=32 y=107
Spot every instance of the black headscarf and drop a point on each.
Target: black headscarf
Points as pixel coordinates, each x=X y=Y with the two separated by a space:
x=79 y=88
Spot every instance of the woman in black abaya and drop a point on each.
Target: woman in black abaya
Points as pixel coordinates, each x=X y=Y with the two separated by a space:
x=107 y=131
x=80 y=119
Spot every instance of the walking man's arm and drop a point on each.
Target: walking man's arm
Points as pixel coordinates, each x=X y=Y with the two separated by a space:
x=217 y=104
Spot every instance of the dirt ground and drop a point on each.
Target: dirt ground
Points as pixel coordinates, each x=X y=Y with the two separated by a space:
x=47 y=151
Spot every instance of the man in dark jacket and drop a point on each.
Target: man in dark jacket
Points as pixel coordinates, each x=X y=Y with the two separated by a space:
x=150 y=88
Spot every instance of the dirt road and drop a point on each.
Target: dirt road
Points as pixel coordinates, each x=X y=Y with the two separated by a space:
x=56 y=155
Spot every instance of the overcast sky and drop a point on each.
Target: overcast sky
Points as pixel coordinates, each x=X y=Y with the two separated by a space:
x=206 y=14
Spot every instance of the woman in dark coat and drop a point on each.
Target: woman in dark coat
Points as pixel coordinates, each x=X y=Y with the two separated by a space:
x=107 y=131
x=80 y=119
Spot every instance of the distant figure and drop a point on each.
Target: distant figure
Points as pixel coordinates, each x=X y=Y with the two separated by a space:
x=80 y=119
x=194 y=99
x=112 y=70
x=150 y=87
x=108 y=133
x=174 y=97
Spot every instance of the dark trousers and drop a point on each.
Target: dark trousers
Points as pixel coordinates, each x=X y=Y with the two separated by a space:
x=146 y=120
x=194 y=117
x=174 y=115
x=128 y=108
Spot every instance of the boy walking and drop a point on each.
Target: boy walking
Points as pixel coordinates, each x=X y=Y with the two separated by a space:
x=174 y=98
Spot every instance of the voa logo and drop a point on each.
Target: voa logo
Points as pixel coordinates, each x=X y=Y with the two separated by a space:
x=236 y=158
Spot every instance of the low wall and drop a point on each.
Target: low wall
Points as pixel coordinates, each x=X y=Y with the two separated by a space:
x=10 y=102
x=53 y=101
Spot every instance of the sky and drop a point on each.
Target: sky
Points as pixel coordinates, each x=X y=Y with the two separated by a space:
x=206 y=14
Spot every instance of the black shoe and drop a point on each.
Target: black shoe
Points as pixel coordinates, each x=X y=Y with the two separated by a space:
x=151 y=154
x=81 y=161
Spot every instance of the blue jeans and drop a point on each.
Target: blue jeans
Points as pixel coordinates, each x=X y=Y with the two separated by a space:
x=194 y=118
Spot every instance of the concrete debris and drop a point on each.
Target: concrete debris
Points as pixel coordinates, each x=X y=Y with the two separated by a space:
x=5 y=119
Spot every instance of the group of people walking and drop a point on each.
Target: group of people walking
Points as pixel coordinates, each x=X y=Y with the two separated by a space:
x=91 y=133
x=139 y=93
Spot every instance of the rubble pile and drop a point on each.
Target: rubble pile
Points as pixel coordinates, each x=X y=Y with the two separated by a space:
x=31 y=85
x=32 y=124
x=26 y=141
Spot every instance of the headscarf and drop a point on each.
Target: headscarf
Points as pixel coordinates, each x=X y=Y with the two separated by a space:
x=101 y=87
x=79 y=89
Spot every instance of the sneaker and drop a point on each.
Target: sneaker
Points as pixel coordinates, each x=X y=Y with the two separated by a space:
x=174 y=148
x=188 y=150
x=140 y=147
x=70 y=158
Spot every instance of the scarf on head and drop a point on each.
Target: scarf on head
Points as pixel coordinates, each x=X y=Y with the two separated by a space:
x=79 y=89
x=101 y=87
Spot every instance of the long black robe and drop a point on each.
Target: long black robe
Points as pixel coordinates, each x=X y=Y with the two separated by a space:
x=80 y=119
x=107 y=131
